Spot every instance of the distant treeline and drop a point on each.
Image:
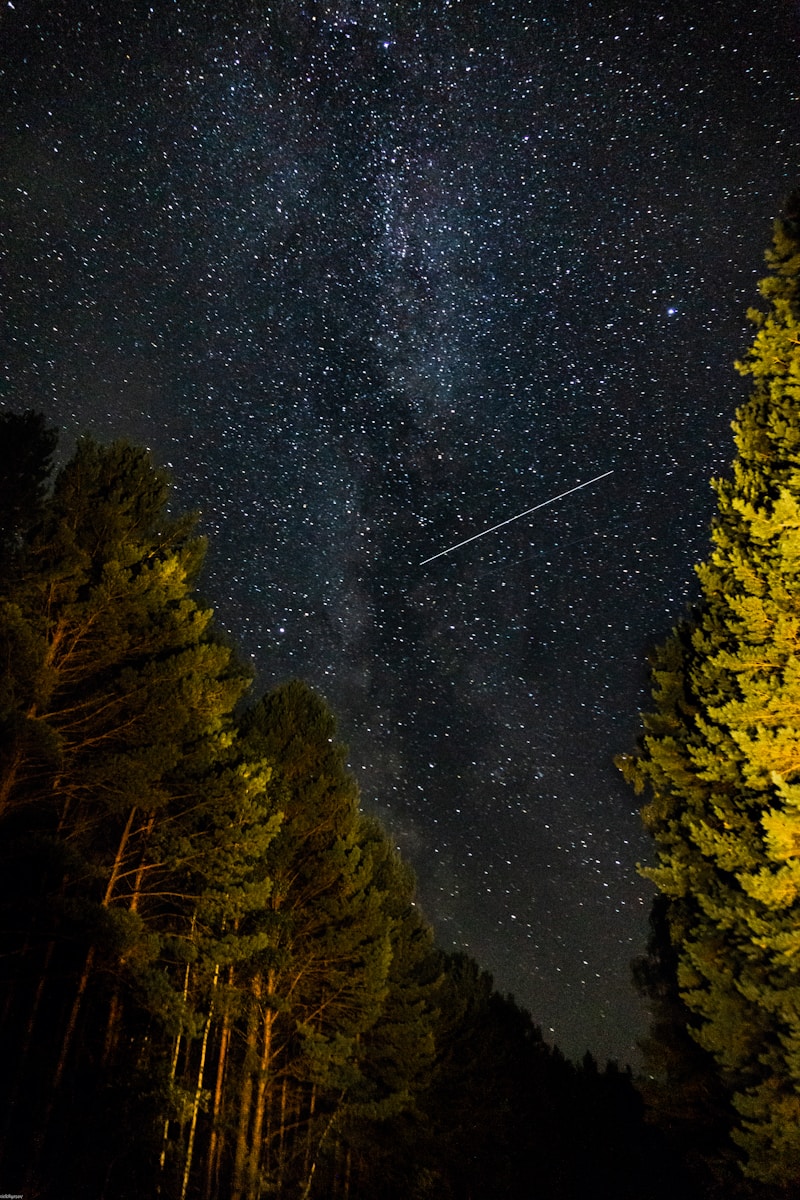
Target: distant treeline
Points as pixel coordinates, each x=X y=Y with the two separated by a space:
x=215 y=979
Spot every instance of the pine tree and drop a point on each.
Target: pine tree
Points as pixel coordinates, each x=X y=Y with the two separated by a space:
x=382 y=1127
x=121 y=791
x=720 y=757
x=682 y=1091
x=321 y=980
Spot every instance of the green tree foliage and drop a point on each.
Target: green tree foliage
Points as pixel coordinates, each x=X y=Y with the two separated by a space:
x=720 y=757
x=508 y=1116
x=682 y=1092
x=384 y=1124
x=215 y=977
x=118 y=779
x=322 y=979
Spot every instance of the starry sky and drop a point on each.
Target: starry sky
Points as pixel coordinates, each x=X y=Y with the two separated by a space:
x=372 y=277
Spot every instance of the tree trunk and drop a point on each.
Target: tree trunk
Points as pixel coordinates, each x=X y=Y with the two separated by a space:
x=118 y=859
x=172 y=1073
x=116 y=1006
x=262 y=1095
x=69 y=1031
x=348 y=1171
x=216 y=1139
x=144 y=831
x=198 y=1089
x=241 y=1156
x=72 y=1020
x=112 y=1029
x=281 y=1156
x=311 y=1110
x=311 y=1169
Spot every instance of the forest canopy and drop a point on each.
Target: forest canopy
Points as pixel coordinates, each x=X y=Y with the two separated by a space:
x=216 y=980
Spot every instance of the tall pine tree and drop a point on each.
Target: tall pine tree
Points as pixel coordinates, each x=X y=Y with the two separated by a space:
x=720 y=757
x=321 y=981
x=119 y=782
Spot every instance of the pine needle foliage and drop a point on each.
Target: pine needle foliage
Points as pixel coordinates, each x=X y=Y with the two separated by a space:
x=214 y=976
x=720 y=755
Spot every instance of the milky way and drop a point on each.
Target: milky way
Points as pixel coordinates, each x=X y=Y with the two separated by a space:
x=368 y=277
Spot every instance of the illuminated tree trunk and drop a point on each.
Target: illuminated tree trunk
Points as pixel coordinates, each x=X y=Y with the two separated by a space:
x=176 y=1050
x=198 y=1091
x=263 y=1087
x=133 y=901
x=9 y=780
x=83 y=982
x=241 y=1155
x=216 y=1143
x=310 y=1168
x=282 y=1141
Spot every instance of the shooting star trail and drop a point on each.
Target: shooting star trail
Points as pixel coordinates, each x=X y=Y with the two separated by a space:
x=526 y=513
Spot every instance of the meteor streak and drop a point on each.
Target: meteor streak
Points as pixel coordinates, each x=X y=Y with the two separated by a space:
x=526 y=513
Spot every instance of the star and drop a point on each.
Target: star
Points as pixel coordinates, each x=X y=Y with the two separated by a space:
x=351 y=289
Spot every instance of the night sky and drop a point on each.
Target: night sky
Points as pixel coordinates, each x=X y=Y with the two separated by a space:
x=373 y=277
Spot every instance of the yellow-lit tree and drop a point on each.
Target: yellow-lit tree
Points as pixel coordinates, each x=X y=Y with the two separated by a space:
x=123 y=798
x=720 y=756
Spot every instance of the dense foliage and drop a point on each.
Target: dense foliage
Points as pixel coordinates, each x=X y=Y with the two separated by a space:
x=215 y=979
x=721 y=766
